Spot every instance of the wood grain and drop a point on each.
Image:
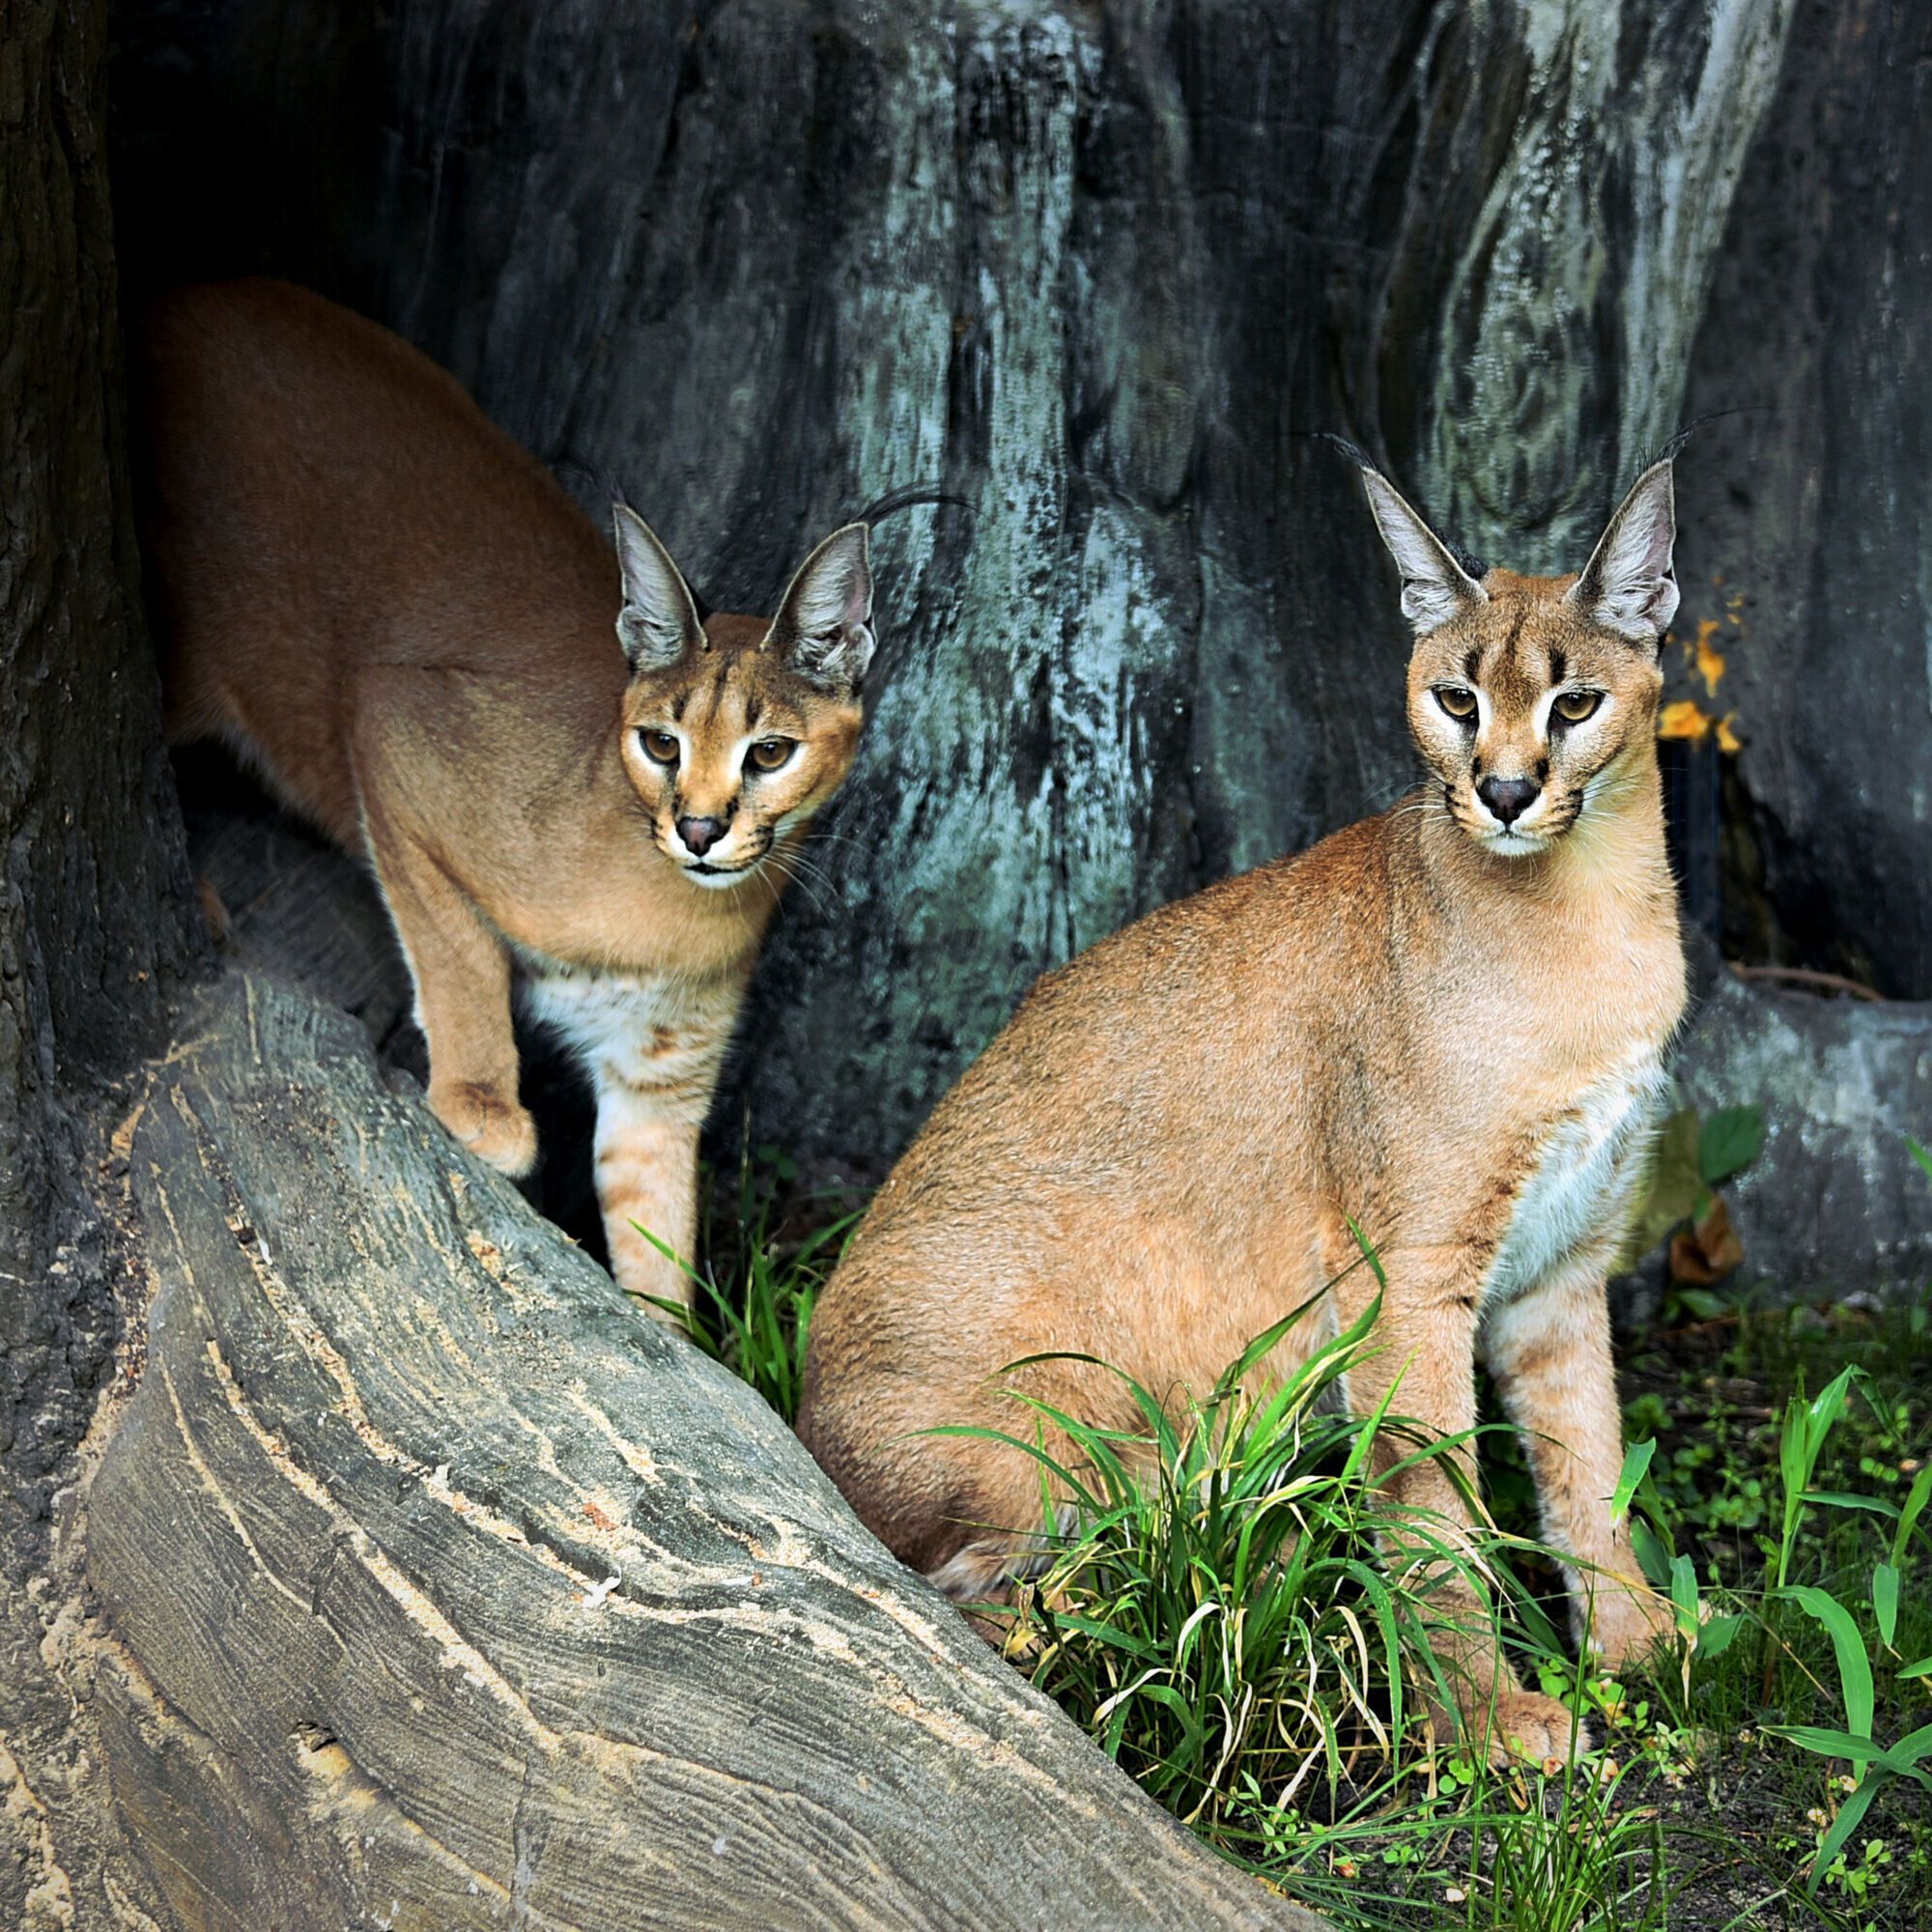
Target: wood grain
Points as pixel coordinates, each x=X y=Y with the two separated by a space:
x=437 y=1590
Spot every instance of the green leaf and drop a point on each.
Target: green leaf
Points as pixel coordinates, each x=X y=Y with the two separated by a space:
x=1885 y=1600
x=1842 y=1499
x=1683 y=1594
x=1919 y=1154
x=1908 y=1517
x=1705 y=1303
x=1637 y=1460
x=1731 y=1139
x=1652 y=1557
x=1718 y=1636
x=1855 y=1678
x=1827 y=1743
x=1909 y=1749
x=1922 y=1668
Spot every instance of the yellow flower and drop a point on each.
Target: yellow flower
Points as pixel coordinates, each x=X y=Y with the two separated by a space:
x=1686 y=719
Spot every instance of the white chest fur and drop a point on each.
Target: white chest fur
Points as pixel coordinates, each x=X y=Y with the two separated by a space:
x=1583 y=1178
x=601 y=1016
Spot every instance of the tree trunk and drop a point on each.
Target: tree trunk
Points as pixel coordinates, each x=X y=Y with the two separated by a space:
x=92 y=926
x=1101 y=270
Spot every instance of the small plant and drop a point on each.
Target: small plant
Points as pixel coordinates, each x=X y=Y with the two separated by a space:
x=758 y=1322
x=1208 y=1602
x=1693 y=1158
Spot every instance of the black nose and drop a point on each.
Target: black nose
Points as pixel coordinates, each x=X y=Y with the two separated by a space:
x=700 y=835
x=1508 y=798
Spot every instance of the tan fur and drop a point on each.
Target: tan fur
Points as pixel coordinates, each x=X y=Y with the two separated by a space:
x=1160 y=1155
x=401 y=619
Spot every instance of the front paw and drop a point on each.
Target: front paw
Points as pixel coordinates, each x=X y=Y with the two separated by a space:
x=1525 y=1727
x=491 y=1124
x=659 y=1286
x=1628 y=1621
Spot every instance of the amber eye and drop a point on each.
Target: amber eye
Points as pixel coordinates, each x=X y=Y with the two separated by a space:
x=660 y=747
x=769 y=753
x=1457 y=701
x=1574 y=706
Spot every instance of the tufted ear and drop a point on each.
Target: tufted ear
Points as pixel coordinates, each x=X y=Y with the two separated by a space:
x=1629 y=583
x=659 y=621
x=824 y=627
x=1434 y=586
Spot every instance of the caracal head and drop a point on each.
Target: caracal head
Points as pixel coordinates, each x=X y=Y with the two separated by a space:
x=737 y=729
x=1532 y=698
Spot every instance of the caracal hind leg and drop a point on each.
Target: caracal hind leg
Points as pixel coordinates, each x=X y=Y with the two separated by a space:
x=462 y=976
x=1424 y=1344
x=1550 y=1352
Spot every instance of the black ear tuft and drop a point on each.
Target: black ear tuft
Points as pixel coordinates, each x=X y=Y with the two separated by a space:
x=1465 y=558
x=659 y=621
x=823 y=629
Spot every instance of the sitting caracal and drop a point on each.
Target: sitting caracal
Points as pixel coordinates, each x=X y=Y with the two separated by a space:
x=1445 y=1023
x=399 y=617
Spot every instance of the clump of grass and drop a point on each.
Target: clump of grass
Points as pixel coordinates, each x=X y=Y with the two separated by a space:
x=1212 y=1608
x=752 y=1304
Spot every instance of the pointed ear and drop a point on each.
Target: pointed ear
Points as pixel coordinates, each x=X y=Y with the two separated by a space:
x=1434 y=587
x=1630 y=585
x=824 y=626
x=659 y=621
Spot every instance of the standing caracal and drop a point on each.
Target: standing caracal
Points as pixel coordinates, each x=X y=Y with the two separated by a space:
x=400 y=618
x=1445 y=1024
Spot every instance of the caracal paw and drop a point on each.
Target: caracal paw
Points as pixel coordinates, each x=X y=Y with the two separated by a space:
x=1628 y=1622
x=492 y=1124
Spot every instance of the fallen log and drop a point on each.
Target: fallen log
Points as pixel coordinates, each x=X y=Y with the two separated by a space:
x=437 y=1589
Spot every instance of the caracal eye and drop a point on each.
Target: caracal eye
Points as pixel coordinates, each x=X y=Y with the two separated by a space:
x=660 y=747
x=1574 y=706
x=769 y=753
x=1457 y=701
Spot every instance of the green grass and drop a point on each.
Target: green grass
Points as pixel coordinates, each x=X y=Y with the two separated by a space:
x=752 y=1306
x=1215 y=1610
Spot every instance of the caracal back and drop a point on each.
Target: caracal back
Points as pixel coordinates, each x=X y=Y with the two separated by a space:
x=568 y=786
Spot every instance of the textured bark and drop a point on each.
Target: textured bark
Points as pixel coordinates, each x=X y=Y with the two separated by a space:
x=91 y=924
x=386 y=1569
x=437 y=1590
x=1814 y=502
x=1832 y=1204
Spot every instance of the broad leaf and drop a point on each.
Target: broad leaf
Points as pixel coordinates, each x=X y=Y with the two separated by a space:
x=1718 y=1636
x=1843 y=1826
x=1731 y=1139
x=1683 y=1594
x=1908 y=1517
x=1885 y=1600
x=1855 y=1678
x=1637 y=1460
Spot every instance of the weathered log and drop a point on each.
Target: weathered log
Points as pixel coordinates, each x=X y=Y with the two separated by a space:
x=437 y=1589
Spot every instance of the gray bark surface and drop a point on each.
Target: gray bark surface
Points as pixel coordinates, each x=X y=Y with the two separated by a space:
x=1833 y=1205
x=437 y=1590
x=92 y=926
x=364 y=1559
x=1815 y=503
